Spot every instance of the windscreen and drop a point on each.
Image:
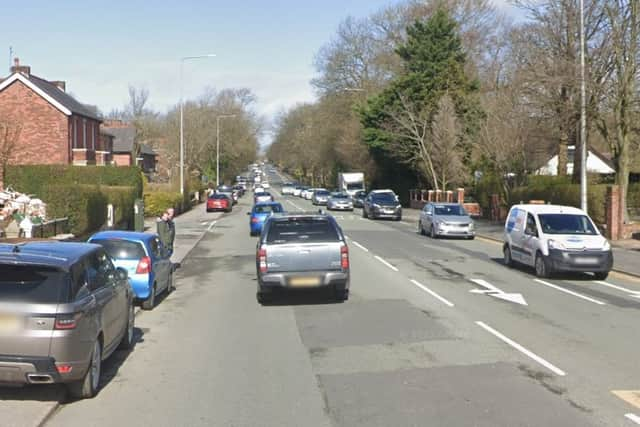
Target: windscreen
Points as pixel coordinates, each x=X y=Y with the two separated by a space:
x=566 y=224
x=122 y=249
x=384 y=198
x=322 y=193
x=302 y=230
x=268 y=208
x=354 y=186
x=339 y=196
x=33 y=284
x=450 y=210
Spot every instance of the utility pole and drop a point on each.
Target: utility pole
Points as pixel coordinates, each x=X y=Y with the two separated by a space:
x=583 y=117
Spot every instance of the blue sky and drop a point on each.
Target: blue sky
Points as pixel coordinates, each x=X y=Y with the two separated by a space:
x=99 y=47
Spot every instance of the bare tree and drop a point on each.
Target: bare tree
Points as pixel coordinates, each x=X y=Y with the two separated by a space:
x=447 y=151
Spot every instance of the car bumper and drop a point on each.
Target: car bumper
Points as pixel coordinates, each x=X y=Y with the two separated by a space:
x=22 y=370
x=341 y=208
x=304 y=279
x=256 y=228
x=141 y=285
x=386 y=214
x=581 y=261
x=453 y=232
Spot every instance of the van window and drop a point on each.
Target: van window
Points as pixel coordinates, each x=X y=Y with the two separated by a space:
x=302 y=230
x=531 y=226
x=566 y=224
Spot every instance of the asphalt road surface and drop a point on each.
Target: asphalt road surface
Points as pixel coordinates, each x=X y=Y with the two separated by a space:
x=435 y=333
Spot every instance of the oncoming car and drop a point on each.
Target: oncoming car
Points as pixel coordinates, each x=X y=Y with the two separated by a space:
x=339 y=201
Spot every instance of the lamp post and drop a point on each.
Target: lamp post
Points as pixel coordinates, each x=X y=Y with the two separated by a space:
x=185 y=58
x=583 y=117
x=223 y=116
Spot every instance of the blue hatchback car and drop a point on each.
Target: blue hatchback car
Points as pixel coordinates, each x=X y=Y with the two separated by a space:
x=259 y=214
x=144 y=257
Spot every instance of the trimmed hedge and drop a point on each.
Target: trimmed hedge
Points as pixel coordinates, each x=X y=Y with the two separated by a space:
x=85 y=206
x=156 y=202
x=32 y=179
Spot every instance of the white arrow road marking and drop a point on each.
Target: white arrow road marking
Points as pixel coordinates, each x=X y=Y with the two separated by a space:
x=497 y=293
x=633 y=417
x=567 y=291
x=633 y=294
x=523 y=350
x=213 y=224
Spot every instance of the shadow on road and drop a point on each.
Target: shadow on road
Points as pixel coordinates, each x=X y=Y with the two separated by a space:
x=305 y=297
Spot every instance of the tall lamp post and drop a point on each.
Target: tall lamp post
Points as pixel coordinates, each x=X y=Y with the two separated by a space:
x=583 y=117
x=223 y=116
x=184 y=58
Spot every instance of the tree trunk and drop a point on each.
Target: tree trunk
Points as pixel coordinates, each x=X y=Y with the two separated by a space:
x=622 y=173
x=562 y=152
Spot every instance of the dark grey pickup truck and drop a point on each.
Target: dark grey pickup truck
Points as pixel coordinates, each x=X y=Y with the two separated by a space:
x=306 y=250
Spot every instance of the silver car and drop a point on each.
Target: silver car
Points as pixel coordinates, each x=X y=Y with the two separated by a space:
x=64 y=308
x=446 y=219
x=340 y=201
x=320 y=196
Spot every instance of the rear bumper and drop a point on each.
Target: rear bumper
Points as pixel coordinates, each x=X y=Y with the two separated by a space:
x=22 y=370
x=284 y=279
x=340 y=208
x=141 y=285
x=583 y=261
x=256 y=228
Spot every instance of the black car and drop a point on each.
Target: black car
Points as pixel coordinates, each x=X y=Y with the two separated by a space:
x=382 y=204
x=358 y=199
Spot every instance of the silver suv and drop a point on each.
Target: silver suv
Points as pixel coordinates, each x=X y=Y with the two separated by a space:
x=64 y=308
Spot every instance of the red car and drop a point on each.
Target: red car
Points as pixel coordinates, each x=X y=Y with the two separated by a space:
x=219 y=202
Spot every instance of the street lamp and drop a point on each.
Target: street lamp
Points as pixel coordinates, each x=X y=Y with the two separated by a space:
x=583 y=117
x=185 y=58
x=223 y=116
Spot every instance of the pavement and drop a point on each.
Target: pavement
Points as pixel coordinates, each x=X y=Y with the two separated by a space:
x=435 y=332
x=626 y=253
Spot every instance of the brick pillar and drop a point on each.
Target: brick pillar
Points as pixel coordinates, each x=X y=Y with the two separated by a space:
x=430 y=195
x=422 y=195
x=613 y=212
x=460 y=195
x=438 y=195
x=449 y=196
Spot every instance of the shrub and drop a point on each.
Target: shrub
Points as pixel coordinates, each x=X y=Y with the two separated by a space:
x=85 y=206
x=158 y=201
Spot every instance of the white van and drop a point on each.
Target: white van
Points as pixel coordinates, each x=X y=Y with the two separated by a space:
x=554 y=238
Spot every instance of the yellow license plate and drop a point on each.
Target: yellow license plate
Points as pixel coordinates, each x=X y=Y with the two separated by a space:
x=304 y=281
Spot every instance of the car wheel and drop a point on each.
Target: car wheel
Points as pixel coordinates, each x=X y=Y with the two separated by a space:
x=150 y=302
x=364 y=213
x=208 y=210
x=600 y=275
x=432 y=232
x=263 y=298
x=340 y=294
x=471 y=237
x=542 y=268
x=127 y=338
x=172 y=284
x=398 y=218
x=88 y=386
x=506 y=256
x=421 y=229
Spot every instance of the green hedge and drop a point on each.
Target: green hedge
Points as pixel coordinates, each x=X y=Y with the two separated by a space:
x=157 y=202
x=122 y=198
x=85 y=206
x=33 y=179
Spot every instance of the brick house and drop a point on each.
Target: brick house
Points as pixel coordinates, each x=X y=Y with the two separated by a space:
x=54 y=127
x=126 y=151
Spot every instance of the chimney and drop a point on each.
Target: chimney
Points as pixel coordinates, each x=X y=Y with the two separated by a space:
x=60 y=84
x=17 y=68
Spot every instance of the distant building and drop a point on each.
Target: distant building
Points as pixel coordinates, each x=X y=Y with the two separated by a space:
x=596 y=163
x=54 y=127
x=126 y=151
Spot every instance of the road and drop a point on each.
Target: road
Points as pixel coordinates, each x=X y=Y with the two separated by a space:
x=435 y=333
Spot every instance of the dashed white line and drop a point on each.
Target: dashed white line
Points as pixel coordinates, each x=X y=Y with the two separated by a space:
x=359 y=245
x=213 y=224
x=620 y=288
x=386 y=263
x=566 y=291
x=633 y=417
x=294 y=205
x=521 y=349
x=433 y=294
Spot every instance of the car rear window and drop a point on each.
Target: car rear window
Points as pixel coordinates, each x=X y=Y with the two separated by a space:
x=33 y=284
x=218 y=196
x=268 y=208
x=322 y=193
x=302 y=230
x=122 y=249
x=265 y=194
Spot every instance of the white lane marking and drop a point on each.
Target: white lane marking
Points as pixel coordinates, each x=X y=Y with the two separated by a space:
x=359 y=245
x=620 y=288
x=575 y=294
x=204 y=223
x=495 y=292
x=433 y=294
x=295 y=206
x=213 y=224
x=386 y=263
x=633 y=417
x=521 y=349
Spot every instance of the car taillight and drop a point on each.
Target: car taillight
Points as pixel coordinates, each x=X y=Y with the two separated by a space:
x=64 y=369
x=144 y=266
x=67 y=321
x=344 y=257
x=262 y=260
x=255 y=220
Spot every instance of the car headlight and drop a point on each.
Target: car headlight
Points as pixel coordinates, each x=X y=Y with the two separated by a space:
x=398 y=207
x=554 y=244
x=606 y=246
x=472 y=226
x=375 y=206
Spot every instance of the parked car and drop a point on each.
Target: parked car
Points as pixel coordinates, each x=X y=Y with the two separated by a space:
x=66 y=308
x=320 y=196
x=301 y=251
x=266 y=185
x=308 y=193
x=228 y=191
x=554 y=238
x=262 y=197
x=297 y=190
x=287 y=189
x=340 y=202
x=219 y=202
x=259 y=213
x=147 y=261
x=382 y=204
x=240 y=189
x=358 y=199
x=446 y=219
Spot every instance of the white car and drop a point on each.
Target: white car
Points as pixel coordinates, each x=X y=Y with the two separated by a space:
x=265 y=184
x=554 y=238
x=287 y=189
x=297 y=191
x=308 y=193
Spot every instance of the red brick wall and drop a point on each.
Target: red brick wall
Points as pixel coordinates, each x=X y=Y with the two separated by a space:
x=122 y=159
x=45 y=129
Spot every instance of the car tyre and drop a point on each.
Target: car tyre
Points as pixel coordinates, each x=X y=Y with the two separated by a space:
x=172 y=284
x=421 y=229
x=432 y=232
x=506 y=256
x=542 y=267
x=127 y=338
x=341 y=295
x=398 y=218
x=150 y=302
x=364 y=213
x=88 y=386
x=263 y=298
x=601 y=275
